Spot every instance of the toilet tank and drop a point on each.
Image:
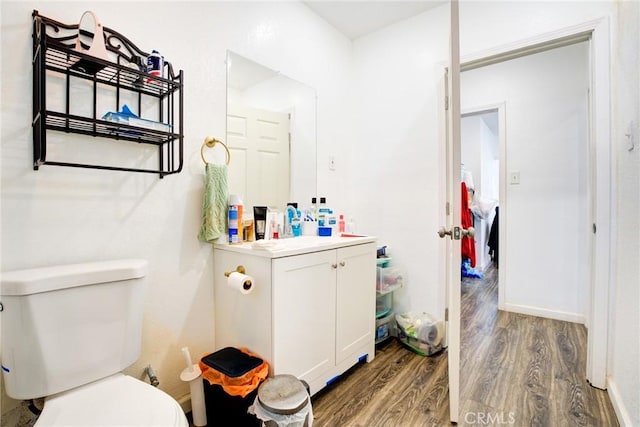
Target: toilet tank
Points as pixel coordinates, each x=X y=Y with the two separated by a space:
x=69 y=325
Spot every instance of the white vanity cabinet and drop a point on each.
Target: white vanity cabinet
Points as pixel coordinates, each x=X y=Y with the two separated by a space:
x=311 y=313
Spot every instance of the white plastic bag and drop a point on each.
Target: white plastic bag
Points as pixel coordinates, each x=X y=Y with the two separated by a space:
x=293 y=420
x=422 y=332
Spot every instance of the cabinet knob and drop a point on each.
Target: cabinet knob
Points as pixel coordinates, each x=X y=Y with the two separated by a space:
x=334 y=265
x=343 y=263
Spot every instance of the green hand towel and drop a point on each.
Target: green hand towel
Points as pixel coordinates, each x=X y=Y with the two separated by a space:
x=214 y=203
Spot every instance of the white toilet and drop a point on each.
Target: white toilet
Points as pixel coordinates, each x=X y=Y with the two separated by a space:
x=68 y=332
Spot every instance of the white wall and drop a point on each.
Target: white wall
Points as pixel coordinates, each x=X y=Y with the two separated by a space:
x=395 y=190
x=471 y=149
x=489 y=180
x=62 y=215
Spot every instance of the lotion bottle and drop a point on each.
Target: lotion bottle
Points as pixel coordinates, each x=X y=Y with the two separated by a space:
x=314 y=208
x=341 y=224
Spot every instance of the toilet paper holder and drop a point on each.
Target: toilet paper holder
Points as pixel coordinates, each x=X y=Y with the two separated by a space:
x=239 y=269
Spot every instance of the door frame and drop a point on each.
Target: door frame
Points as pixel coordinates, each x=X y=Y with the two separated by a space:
x=603 y=188
x=500 y=108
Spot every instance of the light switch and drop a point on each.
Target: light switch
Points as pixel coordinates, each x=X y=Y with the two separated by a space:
x=332 y=163
x=514 y=177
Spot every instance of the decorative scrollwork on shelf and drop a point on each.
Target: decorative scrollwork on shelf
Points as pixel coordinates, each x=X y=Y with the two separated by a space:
x=124 y=51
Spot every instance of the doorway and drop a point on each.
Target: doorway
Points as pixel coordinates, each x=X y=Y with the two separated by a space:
x=600 y=211
x=480 y=164
x=544 y=207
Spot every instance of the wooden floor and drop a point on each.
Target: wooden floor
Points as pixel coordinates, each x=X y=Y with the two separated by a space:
x=515 y=370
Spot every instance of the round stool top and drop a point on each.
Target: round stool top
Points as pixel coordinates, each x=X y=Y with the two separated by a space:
x=283 y=394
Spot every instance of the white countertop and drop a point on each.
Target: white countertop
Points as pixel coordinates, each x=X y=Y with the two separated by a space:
x=294 y=245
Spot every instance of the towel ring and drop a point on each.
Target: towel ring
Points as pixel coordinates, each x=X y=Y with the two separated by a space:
x=210 y=142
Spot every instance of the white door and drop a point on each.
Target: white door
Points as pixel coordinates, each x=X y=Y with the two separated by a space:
x=355 y=301
x=304 y=294
x=451 y=232
x=258 y=141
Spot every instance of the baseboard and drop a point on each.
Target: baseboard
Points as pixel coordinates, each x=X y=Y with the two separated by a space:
x=543 y=312
x=185 y=403
x=624 y=419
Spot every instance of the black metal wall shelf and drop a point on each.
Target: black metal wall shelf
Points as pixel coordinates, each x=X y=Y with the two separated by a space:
x=55 y=56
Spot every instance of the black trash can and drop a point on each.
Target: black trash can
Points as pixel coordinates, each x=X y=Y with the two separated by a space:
x=231 y=378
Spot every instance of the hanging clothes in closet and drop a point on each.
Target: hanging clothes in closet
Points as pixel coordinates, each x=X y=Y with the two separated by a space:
x=493 y=239
x=468 y=249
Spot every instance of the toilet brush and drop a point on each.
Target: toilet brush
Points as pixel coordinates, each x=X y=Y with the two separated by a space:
x=193 y=375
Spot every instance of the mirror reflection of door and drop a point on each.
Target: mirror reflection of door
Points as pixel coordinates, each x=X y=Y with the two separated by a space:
x=259 y=142
x=271 y=133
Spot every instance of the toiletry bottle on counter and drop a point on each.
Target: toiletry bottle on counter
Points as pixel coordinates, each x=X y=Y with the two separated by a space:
x=275 y=220
x=233 y=225
x=351 y=226
x=260 y=221
x=332 y=222
x=323 y=213
x=323 y=205
x=314 y=209
x=341 y=224
x=235 y=219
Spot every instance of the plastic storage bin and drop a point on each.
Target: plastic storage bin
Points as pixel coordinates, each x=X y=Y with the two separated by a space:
x=384 y=304
x=388 y=278
x=231 y=378
x=385 y=328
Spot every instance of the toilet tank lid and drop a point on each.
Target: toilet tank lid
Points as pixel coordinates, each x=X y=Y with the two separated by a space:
x=44 y=279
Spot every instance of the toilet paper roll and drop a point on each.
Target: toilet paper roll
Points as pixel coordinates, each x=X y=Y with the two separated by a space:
x=241 y=282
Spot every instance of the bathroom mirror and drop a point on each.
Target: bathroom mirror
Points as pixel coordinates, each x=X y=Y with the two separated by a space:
x=271 y=135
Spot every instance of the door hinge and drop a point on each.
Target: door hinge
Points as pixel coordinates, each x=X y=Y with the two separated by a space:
x=594 y=228
x=448 y=208
x=446 y=103
x=446 y=314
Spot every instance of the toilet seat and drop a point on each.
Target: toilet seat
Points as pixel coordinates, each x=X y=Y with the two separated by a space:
x=117 y=400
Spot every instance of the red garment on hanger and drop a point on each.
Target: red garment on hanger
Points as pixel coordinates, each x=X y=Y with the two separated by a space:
x=468 y=244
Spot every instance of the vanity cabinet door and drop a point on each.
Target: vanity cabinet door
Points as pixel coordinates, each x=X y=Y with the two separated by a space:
x=355 y=300
x=304 y=314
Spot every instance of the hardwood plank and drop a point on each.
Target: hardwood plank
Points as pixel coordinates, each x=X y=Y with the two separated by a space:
x=515 y=370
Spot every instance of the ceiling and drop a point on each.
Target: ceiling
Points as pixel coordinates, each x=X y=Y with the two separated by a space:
x=357 y=18
x=352 y=18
